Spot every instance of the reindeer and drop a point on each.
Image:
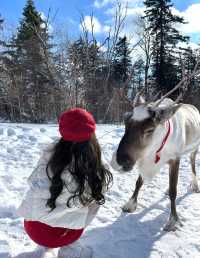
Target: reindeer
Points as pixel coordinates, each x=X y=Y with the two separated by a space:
x=156 y=134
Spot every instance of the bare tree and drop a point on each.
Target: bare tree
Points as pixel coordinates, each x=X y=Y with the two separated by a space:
x=146 y=44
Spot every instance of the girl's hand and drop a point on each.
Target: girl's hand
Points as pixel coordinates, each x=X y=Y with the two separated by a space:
x=93 y=209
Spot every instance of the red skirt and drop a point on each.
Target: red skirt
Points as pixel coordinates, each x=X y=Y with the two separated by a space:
x=51 y=237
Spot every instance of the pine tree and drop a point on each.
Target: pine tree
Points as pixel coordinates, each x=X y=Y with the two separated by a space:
x=2 y=74
x=187 y=62
x=30 y=54
x=122 y=60
x=76 y=63
x=162 y=24
x=1 y=23
x=84 y=60
x=138 y=76
x=1 y=28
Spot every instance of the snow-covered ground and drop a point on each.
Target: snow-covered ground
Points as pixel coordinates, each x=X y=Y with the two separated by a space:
x=112 y=234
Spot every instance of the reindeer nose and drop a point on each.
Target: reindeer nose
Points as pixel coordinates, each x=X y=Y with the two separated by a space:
x=122 y=158
x=128 y=165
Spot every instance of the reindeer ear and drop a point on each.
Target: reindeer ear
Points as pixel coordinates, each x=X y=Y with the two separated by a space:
x=127 y=115
x=161 y=114
x=139 y=100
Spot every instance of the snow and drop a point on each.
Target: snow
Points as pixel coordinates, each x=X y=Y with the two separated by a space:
x=112 y=234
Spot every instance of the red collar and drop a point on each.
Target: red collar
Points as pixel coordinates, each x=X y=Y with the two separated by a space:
x=158 y=152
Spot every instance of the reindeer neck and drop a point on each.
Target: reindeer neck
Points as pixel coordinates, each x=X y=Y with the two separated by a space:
x=147 y=166
x=159 y=142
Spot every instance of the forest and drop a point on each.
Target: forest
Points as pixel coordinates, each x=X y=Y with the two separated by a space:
x=43 y=73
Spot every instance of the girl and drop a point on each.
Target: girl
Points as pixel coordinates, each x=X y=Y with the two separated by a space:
x=66 y=188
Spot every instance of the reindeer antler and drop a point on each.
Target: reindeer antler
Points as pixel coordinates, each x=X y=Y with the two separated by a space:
x=185 y=79
x=137 y=96
x=123 y=96
x=136 y=99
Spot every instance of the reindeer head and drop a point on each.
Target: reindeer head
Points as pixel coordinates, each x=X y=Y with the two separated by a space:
x=140 y=127
x=142 y=122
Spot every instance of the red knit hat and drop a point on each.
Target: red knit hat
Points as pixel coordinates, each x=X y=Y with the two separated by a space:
x=76 y=125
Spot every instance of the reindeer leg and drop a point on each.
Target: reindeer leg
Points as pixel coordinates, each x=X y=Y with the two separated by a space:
x=173 y=180
x=194 y=184
x=131 y=205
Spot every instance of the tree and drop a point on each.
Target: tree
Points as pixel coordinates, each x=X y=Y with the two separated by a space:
x=162 y=24
x=187 y=61
x=122 y=61
x=77 y=66
x=138 y=77
x=31 y=58
x=146 y=45
x=2 y=74
x=84 y=62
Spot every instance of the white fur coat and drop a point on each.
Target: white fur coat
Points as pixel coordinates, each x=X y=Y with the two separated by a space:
x=34 y=207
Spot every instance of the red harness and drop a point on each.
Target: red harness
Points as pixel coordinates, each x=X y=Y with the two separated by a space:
x=158 y=152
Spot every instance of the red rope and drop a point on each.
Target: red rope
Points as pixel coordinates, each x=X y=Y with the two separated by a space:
x=157 y=157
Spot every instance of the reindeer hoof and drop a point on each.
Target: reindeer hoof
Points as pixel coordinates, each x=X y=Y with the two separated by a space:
x=167 y=192
x=194 y=187
x=173 y=224
x=129 y=207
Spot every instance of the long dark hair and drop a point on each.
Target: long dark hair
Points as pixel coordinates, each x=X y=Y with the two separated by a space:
x=83 y=162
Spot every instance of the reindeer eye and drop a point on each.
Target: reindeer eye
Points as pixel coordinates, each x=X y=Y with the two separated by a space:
x=149 y=131
x=127 y=116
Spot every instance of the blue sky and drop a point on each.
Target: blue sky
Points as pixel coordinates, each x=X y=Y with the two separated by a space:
x=183 y=4
x=11 y=9
x=69 y=12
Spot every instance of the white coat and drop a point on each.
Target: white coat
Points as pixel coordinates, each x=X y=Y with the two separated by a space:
x=34 y=207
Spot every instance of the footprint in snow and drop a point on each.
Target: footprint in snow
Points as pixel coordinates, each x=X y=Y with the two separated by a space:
x=26 y=129
x=21 y=136
x=42 y=130
x=32 y=138
x=11 y=132
x=9 y=150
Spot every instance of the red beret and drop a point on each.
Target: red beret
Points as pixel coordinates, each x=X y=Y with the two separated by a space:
x=76 y=125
